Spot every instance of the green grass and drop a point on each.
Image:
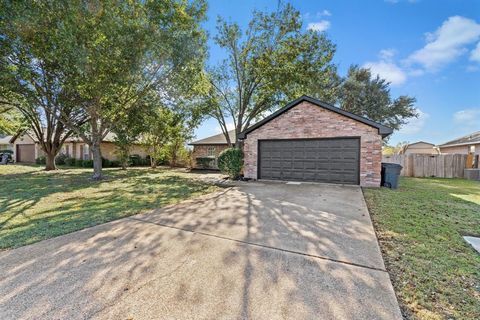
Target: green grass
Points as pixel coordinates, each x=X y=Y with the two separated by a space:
x=37 y=205
x=436 y=274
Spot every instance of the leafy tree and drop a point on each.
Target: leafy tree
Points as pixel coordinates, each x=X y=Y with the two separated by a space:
x=368 y=96
x=273 y=61
x=113 y=52
x=32 y=77
x=157 y=135
x=11 y=121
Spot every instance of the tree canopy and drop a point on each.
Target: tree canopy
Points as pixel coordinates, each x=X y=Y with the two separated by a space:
x=369 y=96
x=109 y=54
x=274 y=60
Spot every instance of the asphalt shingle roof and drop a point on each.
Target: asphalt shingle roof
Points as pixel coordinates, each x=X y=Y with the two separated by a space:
x=472 y=138
x=216 y=139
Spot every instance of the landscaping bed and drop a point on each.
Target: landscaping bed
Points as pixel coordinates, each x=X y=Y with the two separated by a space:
x=436 y=274
x=37 y=205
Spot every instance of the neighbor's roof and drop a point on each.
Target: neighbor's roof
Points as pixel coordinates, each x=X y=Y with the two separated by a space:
x=216 y=139
x=110 y=137
x=471 y=138
x=383 y=130
x=418 y=142
x=5 y=139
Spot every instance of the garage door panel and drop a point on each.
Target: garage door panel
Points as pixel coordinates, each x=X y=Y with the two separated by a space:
x=333 y=160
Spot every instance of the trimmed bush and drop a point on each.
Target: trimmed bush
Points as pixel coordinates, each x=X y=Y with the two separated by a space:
x=87 y=163
x=78 y=163
x=106 y=163
x=60 y=159
x=114 y=163
x=70 y=162
x=41 y=160
x=205 y=162
x=230 y=162
x=6 y=151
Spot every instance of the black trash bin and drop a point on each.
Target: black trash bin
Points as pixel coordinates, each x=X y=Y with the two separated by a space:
x=390 y=175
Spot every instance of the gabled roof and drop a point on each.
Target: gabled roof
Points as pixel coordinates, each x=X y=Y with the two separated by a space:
x=5 y=139
x=418 y=142
x=216 y=139
x=472 y=138
x=383 y=130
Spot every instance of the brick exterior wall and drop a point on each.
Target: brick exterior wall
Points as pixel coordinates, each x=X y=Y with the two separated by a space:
x=201 y=150
x=310 y=121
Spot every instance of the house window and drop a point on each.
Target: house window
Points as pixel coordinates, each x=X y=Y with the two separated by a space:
x=86 y=153
x=211 y=151
x=471 y=149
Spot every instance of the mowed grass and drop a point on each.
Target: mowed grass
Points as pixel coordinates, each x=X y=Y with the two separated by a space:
x=436 y=274
x=37 y=205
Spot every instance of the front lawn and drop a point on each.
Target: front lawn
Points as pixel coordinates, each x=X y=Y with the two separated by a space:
x=36 y=205
x=436 y=274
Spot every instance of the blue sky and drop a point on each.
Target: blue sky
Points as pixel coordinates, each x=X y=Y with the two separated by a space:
x=428 y=49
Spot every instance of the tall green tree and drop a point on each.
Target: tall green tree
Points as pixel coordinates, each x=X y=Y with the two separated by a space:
x=370 y=97
x=274 y=60
x=113 y=52
x=33 y=73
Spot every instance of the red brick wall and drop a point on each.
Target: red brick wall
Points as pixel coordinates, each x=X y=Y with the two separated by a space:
x=310 y=121
x=201 y=150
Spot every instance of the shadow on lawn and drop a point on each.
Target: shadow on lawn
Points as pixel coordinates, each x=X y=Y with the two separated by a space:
x=69 y=209
x=206 y=258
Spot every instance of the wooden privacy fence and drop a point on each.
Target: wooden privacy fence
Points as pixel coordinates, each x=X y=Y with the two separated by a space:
x=425 y=165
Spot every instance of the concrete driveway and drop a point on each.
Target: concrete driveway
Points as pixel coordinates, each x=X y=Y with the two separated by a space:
x=258 y=251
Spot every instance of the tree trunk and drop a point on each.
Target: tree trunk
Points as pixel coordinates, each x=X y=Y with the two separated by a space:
x=97 y=161
x=50 y=161
x=153 y=162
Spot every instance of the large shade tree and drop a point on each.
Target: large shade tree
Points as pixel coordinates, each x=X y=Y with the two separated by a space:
x=274 y=60
x=369 y=96
x=114 y=52
x=32 y=77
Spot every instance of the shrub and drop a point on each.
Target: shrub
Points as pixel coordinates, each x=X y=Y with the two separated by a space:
x=6 y=151
x=78 y=163
x=106 y=163
x=204 y=162
x=134 y=160
x=60 y=159
x=230 y=162
x=70 y=162
x=41 y=160
x=114 y=163
x=87 y=163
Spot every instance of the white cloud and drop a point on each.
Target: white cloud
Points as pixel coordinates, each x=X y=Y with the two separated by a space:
x=386 y=68
x=475 y=53
x=319 y=26
x=467 y=118
x=325 y=13
x=415 y=125
x=447 y=43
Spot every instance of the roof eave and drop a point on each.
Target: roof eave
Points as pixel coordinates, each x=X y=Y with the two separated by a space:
x=382 y=130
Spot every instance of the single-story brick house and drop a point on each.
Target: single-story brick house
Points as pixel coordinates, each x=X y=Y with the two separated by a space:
x=210 y=148
x=463 y=145
x=5 y=142
x=309 y=140
x=26 y=148
x=420 y=147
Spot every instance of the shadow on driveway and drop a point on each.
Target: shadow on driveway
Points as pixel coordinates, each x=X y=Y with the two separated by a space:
x=260 y=251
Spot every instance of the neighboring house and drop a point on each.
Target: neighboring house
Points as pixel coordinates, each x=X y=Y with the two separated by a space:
x=463 y=145
x=210 y=148
x=309 y=140
x=419 y=147
x=27 y=148
x=5 y=142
